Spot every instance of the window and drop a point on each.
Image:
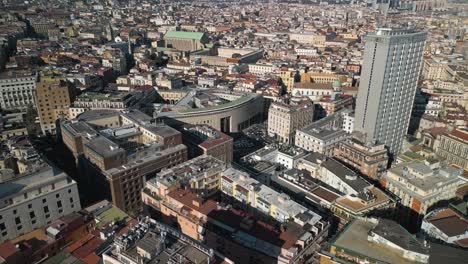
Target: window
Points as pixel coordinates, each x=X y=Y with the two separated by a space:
x=33 y=222
x=2 y=226
x=71 y=199
x=32 y=214
x=46 y=209
x=17 y=220
x=19 y=227
x=59 y=204
x=15 y=211
x=29 y=206
x=44 y=200
x=57 y=195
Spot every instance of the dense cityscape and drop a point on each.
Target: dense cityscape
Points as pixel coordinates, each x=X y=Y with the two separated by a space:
x=230 y=131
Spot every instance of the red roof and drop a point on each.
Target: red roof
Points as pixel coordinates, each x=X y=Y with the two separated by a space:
x=460 y=134
x=435 y=131
x=7 y=250
x=186 y=197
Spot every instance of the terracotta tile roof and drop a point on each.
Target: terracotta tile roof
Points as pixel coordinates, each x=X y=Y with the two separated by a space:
x=325 y=194
x=7 y=250
x=186 y=197
x=463 y=135
x=435 y=131
x=449 y=222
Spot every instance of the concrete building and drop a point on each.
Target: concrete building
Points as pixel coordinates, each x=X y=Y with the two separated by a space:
x=53 y=100
x=118 y=151
x=288 y=77
x=126 y=181
x=447 y=225
x=226 y=57
x=226 y=112
x=308 y=38
x=453 y=147
x=27 y=205
x=322 y=78
x=304 y=185
x=392 y=63
x=322 y=136
x=435 y=70
x=112 y=100
x=185 y=41
x=203 y=139
x=285 y=119
x=12 y=124
x=422 y=184
x=370 y=160
x=376 y=240
x=261 y=68
x=17 y=90
x=153 y=242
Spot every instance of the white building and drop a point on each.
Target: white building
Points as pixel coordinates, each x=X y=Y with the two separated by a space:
x=447 y=225
x=390 y=72
x=348 y=120
x=261 y=68
x=17 y=90
x=30 y=201
x=321 y=136
x=305 y=52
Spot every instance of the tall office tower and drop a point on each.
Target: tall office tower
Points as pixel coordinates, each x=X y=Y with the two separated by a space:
x=391 y=67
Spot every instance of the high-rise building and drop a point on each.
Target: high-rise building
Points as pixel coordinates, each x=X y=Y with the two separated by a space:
x=53 y=99
x=391 y=67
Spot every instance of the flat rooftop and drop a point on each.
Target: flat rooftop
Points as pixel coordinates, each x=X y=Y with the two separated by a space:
x=354 y=238
x=190 y=169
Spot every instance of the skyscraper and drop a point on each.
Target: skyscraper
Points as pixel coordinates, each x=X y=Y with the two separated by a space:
x=391 y=67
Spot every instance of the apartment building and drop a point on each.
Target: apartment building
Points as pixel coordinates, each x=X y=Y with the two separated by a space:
x=308 y=38
x=17 y=90
x=127 y=150
x=322 y=78
x=317 y=193
x=420 y=184
x=387 y=90
x=370 y=159
x=288 y=77
x=111 y=100
x=448 y=225
x=204 y=139
x=322 y=136
x=285 y=119
x=151 y=241
x=53 y=99
x=453 y=147
x=26 y=205
x=127 y=180
x=261 y=68
x=434 y=70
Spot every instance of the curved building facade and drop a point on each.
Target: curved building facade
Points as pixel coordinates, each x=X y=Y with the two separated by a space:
x=238 y=113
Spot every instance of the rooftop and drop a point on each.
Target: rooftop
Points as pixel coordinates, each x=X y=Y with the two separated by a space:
x=354 y=238
x=424 y=176
x=158 y=243
x=188 y=170
x=31 y=181
x=184 y=35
